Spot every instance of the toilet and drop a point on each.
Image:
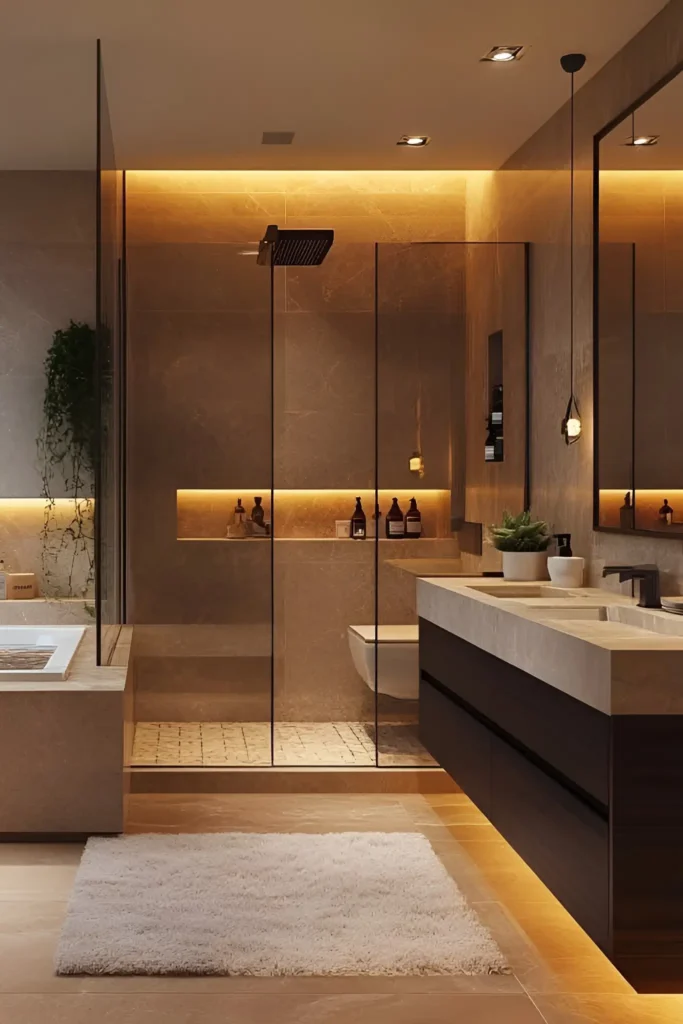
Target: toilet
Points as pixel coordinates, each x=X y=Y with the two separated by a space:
x=397 y=659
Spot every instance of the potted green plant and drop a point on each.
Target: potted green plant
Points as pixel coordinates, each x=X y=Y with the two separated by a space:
x=66 y=447
x=524 y=542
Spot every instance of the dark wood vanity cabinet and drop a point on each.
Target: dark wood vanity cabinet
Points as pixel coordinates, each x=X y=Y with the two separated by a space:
x=593 y=803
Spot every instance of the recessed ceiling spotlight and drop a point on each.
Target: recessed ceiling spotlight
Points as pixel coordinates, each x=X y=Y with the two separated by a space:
x=414 y=140
x=503 y=54
x=642 y=140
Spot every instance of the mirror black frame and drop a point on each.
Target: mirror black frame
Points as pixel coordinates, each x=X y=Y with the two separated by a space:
x=597 y=139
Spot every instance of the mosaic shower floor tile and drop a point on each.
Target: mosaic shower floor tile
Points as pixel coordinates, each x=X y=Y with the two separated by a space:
x=248 y=744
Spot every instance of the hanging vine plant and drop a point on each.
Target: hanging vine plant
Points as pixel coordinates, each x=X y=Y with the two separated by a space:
x=66 y=446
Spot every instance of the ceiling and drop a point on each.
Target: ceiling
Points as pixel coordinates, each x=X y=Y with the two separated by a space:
x=194 y=84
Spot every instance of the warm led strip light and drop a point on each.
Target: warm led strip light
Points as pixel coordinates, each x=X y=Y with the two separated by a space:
x=311 y=490
x=42 y=502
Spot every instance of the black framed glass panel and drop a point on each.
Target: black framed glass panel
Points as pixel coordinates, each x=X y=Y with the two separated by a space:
x=638 y=252
x=110 y=457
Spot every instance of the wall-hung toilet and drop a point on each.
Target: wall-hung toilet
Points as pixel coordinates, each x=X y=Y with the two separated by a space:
x=397 y=659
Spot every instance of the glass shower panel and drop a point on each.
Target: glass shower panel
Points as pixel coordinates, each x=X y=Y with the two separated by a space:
x=452 y=339
x=110 y=385
x=47 y=280
x=200 y=447
x=420 y=347
x=324 y=458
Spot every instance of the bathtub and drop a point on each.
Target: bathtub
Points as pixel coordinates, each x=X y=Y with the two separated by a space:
x=37 y=653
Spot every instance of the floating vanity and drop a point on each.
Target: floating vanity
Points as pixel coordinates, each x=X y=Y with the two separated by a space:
x=560 y=714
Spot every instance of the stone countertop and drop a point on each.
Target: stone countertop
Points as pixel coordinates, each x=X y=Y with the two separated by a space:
x=84 y=674
x=593 y=644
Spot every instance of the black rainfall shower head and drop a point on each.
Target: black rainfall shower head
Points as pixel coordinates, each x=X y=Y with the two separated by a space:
x=300 y=248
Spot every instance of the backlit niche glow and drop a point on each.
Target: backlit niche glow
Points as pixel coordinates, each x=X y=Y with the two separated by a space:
x=303 y=513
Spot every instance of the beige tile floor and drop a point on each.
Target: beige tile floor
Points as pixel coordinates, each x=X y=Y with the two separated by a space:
x=241 y=744
x=558 y=975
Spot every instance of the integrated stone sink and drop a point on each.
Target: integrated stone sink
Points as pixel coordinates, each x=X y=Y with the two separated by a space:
x=653 y=620
x=544 y=601
x=517 y=591
x=571 y=612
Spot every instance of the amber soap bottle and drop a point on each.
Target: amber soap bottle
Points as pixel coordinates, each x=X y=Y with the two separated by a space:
x=394 y=521
x=413 y=521
x=358 y=522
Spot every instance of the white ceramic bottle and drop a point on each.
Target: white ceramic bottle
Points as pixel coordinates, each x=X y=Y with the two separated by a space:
x=564 y=568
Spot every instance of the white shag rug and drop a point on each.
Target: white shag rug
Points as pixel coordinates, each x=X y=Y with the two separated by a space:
x=343 y=903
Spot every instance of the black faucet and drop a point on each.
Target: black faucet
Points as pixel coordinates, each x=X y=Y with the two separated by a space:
x=648 y=575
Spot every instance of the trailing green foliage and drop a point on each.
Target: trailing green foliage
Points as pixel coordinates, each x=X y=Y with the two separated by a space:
x=66 y=447
x=520 y=533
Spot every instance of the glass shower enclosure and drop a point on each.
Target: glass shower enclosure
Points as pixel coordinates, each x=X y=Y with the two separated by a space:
x=288 y=393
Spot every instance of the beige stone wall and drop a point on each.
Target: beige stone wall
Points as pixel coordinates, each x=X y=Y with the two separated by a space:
x=529 y=199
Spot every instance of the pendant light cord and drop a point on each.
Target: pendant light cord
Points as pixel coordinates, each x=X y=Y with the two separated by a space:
x=571 y=62
x=571 y=243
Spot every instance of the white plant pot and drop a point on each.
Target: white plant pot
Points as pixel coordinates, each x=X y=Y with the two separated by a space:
x=566 y=572
x=525 y=565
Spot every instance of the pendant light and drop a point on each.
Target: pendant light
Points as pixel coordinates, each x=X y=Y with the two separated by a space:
x=571 y=424
x=417 y=462
x=640 y=140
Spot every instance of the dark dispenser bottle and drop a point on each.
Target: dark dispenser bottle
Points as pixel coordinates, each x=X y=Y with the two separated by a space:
x=413 y=523
x=497 y=421
x=666 y=513
x=257 y=513
x=626 y=521
x=498 y=446
x=358 y=522
x=394 y=521
x=490 y=442
x=497 y=407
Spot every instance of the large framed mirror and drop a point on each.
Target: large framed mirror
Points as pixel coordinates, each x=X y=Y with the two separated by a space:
x=638 y=316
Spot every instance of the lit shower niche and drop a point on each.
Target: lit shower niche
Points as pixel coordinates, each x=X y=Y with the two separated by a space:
x=303 y=514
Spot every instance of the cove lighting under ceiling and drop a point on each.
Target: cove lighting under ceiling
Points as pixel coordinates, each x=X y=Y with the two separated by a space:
x=503 y=54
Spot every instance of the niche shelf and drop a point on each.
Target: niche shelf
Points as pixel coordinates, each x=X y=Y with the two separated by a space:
x=305 y=514
x=311 y=540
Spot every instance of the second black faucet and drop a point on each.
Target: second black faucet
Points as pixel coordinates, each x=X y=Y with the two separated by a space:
x=648 y=575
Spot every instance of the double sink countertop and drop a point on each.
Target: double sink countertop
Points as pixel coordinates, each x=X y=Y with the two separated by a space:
x=593 y=644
